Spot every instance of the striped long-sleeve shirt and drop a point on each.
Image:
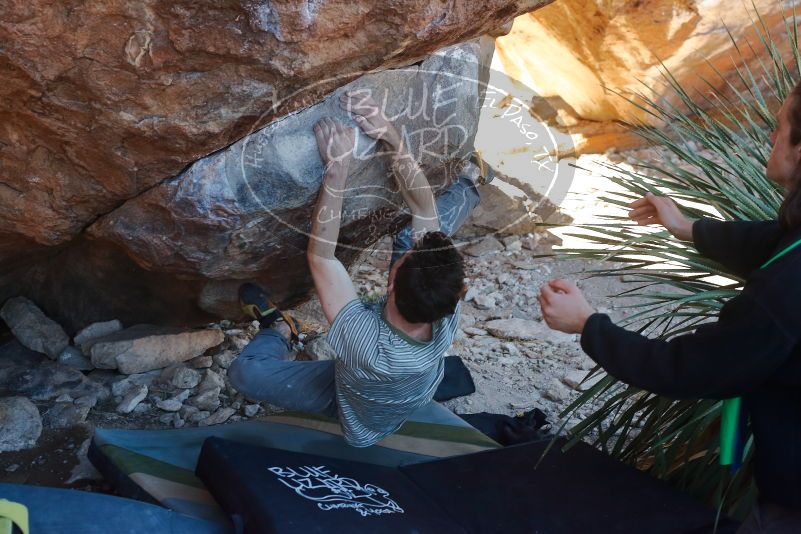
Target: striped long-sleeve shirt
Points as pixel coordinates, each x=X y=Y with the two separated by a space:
x=382 y=375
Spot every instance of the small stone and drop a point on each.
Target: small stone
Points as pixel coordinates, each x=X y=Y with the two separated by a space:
x=169 y=405
x=234 y=332
x=556 y=391
x=224 y=358
x=208 y=400
x=199 y=416
x=239 y=342
x=201 y=362
x=187 y=410
x=173 y=404
x=20 y=424
x=512 y=243
x=574 y=380
x=211 y=380
x=32 y=328
x=64 y=415
x=513 y=329
x=497 y=296
x=251 y=410
x=510 y=349
x=318 y=349
x=166 y=374
x=185 y=378
x=11 y=468
x=105 y=377
x=74 y=358
x=143 y=407
x=586 y=363
x=141 y=379
x=64 y=398
x=467 y=320
x=172 y=419
x=471 y=294
x=474 y=331
x=96 y=330
x=531 y=242
x=488 y=245
x=548 y=238
x=121 y=387
x=220 y=416
x=132 y=398
x=484 y=302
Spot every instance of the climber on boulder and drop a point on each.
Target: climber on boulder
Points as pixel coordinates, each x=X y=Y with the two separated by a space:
x=389 y=354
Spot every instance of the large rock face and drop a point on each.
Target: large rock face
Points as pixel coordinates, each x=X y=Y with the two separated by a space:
x=101 y=101
x=104 y=104
x=234 y=213
x=581 y=52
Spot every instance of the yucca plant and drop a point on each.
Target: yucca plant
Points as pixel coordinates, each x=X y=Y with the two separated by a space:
x=676 y=288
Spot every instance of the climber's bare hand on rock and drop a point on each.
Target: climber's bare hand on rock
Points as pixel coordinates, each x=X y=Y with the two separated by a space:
x=335 y=142
x=369 y=116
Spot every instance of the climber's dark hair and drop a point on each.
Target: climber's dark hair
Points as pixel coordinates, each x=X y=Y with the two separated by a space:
x=790 y=210
x=430 y=281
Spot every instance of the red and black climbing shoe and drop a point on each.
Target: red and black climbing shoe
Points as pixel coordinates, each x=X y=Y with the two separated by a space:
x=256 y=304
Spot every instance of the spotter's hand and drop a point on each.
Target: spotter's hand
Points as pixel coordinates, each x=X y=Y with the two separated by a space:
x=563 y=306
x=652 y=209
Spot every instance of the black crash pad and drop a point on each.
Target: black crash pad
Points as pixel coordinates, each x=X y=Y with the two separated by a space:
x=502 y=490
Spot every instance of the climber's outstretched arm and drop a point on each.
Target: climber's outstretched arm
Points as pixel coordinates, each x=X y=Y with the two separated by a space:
x=411 y=180
x=331 y=279
x=416 y=192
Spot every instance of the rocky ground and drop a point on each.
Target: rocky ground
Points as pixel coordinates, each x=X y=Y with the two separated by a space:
x=54 y=390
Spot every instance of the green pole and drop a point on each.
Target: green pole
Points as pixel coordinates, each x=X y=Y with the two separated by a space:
x=729 y=419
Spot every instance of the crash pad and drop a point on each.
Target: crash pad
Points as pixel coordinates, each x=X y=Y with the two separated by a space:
x=68 y=511
x=157 y=466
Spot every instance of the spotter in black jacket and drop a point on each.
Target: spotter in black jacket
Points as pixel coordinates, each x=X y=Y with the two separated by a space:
x=753 y=350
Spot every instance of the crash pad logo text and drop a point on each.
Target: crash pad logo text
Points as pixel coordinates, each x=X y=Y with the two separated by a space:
x=332 y=492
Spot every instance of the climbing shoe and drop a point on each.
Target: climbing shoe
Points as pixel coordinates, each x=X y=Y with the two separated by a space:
x=485 y=173
x=256 y=304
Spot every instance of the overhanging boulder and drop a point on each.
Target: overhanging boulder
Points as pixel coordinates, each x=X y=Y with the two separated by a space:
x=176 y=253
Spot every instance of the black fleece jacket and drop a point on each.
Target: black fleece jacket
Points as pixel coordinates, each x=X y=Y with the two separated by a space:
x=753 y=350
